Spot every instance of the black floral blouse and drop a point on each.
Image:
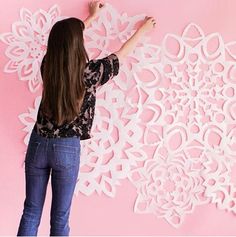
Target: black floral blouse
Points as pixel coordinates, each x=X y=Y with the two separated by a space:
x=97 y=72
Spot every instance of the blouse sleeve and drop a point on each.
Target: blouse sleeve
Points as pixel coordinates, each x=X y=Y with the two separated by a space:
x=99 y=71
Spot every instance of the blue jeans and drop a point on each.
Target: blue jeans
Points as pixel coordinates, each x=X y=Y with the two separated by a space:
x=61 y=158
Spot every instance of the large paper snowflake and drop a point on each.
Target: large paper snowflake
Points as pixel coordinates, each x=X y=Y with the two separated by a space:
x=27 y=44
x=167 y=121
x=191 y=92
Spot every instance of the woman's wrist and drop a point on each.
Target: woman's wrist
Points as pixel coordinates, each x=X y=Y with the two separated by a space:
x=141 y=31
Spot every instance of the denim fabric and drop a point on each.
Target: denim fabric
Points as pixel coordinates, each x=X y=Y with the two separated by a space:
x=59 y=157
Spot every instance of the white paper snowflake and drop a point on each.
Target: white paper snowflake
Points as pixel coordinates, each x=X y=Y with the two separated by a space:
x=190 y=93
x=27 y=44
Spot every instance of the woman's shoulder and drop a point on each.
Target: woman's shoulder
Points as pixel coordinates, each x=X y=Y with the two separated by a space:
x=94 y=65
x=99 y=71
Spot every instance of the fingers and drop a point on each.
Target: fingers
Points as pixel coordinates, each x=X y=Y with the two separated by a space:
x=151 y=20
x=101 y=5
x=97 y=4
x=95 y=7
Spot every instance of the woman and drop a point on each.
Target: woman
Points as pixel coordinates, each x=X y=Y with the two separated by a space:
x=64 y=118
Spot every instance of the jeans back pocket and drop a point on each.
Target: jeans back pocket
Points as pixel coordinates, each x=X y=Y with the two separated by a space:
x=65 y=155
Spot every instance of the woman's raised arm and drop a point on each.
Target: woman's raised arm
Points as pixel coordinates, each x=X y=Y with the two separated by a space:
x=94 y=8
x=148 y=24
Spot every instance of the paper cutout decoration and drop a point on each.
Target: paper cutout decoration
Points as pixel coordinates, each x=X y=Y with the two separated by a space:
x=167 y=122
x=27 y=44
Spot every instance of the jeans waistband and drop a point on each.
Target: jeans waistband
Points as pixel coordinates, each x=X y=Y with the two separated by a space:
x=35 y=135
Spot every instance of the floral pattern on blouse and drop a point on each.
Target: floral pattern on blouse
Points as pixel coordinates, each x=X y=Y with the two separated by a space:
x=97 y=72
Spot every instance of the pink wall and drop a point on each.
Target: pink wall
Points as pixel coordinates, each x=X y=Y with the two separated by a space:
x=94 y=214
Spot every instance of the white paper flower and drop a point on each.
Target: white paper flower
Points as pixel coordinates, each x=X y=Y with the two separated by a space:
x=27 y=44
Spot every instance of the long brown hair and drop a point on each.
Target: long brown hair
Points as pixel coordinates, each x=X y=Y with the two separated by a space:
x=63 y=70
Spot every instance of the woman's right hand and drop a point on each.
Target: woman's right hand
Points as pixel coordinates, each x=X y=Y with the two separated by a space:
x=148 y=24
x=127 y=47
